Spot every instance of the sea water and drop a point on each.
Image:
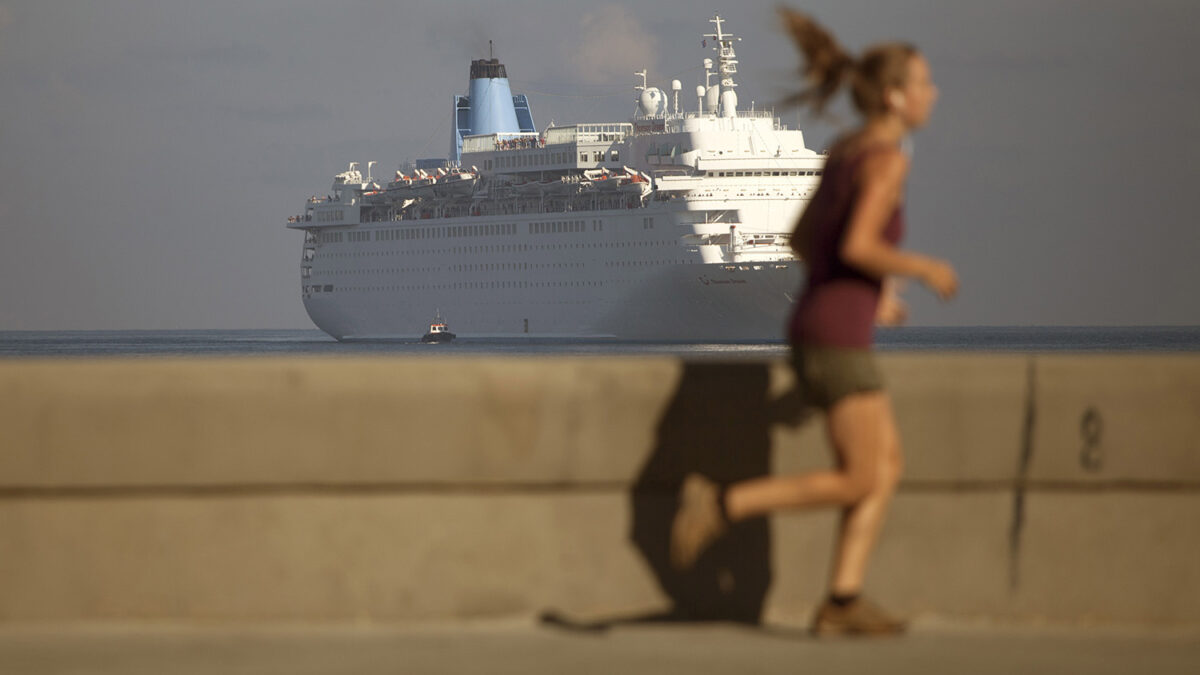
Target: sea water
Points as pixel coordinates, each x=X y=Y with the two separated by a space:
x=1030 y=339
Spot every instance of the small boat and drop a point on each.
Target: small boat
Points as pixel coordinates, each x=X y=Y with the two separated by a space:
x=438 y=332
x=455 y=184
x=637 y=184
x=401 y=182
x=422 y=184
x=606 y=181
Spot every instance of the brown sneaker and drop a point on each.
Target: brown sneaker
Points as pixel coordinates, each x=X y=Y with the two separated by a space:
x=698 y=522
x=860 y=617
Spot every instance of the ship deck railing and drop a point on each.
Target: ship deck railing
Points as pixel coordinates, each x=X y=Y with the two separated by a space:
x=437 y=209
x=741 y=114
x=694 y=114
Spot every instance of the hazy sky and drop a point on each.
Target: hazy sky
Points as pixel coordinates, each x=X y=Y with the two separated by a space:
x=151 y=151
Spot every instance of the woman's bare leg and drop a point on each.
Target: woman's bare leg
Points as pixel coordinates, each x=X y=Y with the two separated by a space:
x=862 y=431
x=862 y=521
x=858 y=439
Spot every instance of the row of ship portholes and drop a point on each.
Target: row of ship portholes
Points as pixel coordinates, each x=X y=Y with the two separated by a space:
x=389 y=270
x=511 y=267
x=554 y=227
x=508 y=248
x=557 y=227
x=459 y=231
x=502 y=267
x=448 y=232
x=471 y=286
x=485 y=267
x=643 y=263
x=759 y=174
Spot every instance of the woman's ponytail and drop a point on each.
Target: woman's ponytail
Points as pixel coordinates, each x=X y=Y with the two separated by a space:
x=826 y=64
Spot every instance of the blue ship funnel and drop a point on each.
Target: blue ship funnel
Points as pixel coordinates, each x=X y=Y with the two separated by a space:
x=489 y=107
x=492 y=109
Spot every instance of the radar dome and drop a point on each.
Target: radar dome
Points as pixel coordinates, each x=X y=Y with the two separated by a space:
x=653 y=101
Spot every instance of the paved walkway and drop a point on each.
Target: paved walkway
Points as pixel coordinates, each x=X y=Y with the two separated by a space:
x=510 y=647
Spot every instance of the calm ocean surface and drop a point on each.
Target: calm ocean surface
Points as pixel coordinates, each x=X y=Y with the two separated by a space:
x=258 y=342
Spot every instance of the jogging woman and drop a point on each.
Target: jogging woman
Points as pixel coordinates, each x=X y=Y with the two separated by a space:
x=848 y=238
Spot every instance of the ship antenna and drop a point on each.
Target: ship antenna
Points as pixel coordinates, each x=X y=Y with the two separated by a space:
x=491 y=55
x=727 y=60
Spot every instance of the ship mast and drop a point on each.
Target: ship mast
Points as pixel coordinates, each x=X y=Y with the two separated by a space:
x=727 y=59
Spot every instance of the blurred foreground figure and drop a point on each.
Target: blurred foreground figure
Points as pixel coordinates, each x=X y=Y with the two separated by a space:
x=848 y=237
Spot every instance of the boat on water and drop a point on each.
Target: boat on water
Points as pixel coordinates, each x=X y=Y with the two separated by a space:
x=672 y=225
x=438 y=332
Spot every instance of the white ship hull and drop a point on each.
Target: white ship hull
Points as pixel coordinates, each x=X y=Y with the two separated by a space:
x=703 y=303
x=608 y=275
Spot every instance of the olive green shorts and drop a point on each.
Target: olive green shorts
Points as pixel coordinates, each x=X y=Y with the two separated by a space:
x=825 y=375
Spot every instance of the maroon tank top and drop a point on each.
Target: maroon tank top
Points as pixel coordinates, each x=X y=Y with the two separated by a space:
x=838 y=302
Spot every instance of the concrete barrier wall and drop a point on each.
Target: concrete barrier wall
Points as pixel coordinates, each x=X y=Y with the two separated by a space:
x=1056 y=488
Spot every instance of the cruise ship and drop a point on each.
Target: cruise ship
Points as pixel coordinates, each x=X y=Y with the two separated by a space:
x=673 y=225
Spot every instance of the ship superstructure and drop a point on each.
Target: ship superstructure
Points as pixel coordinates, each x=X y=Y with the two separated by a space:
x=672 y=226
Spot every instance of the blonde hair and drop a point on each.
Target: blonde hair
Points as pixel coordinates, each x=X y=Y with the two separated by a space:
x=827 y=66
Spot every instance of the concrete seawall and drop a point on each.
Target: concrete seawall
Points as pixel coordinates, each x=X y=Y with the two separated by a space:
x=1037 y=488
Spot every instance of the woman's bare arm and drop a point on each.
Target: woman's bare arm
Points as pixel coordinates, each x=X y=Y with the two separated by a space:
x=881 y=181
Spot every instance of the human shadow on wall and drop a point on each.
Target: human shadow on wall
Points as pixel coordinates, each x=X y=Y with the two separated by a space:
x=717 y=424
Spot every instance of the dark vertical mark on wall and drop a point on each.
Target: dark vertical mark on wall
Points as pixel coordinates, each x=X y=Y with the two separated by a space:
x=1091 y=427
x=1022 y=478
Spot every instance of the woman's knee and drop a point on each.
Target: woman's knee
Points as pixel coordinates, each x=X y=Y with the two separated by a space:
x=858 y=485
x=879 y=478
